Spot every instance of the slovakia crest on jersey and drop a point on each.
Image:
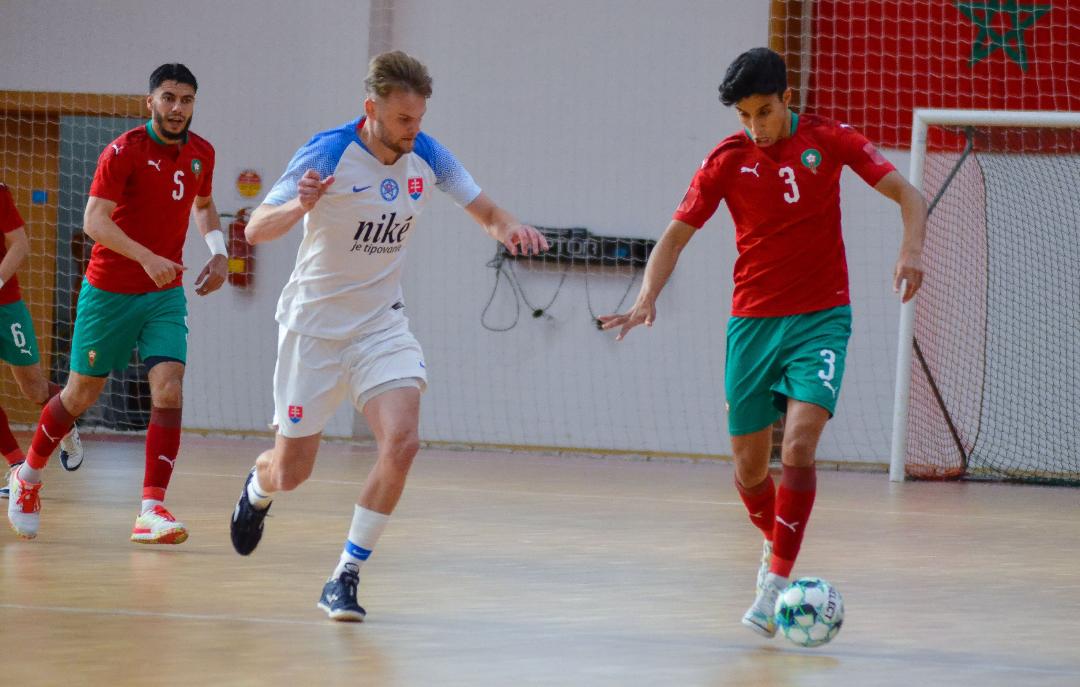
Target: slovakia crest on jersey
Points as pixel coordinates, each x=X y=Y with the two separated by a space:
x=416 y=187
x=296 y=414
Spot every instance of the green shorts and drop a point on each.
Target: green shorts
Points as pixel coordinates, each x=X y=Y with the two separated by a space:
x=109 y=325
x=18 y=345
x=772 y=359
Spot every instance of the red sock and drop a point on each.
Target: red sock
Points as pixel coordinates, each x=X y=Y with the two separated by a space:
x=162 y=445
x=54 y=423
x=760 y=501
x=8 y=446
x=794 y=501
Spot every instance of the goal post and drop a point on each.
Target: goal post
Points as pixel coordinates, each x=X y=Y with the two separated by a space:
x=1001 y=138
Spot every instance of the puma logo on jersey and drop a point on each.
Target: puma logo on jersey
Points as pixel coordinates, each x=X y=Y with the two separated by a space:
x=759 y=514
x=172 y=463
x=790 y=525
x=156 y=164
x=831 y=388
x=116 y=148
x=751 y=170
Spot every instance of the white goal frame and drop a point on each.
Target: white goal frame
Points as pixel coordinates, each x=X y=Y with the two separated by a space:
x=921 y=121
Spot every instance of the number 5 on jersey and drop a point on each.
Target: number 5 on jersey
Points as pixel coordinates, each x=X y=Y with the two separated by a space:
x=178 y=179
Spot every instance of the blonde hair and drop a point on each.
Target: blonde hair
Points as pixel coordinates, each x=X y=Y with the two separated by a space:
x=397 y=70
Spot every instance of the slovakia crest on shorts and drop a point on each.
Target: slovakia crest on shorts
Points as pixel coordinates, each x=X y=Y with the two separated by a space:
x=416 y=187
x=296 y=414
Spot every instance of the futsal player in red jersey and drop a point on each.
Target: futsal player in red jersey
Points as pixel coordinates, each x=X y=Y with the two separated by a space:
x=18 y=343
x=791 y=314
x=147 y=182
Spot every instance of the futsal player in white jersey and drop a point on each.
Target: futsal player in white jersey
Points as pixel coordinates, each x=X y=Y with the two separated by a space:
x=360 y=189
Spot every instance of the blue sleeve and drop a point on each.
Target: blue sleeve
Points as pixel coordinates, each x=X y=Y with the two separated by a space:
x=321 y=153
x=450 y=176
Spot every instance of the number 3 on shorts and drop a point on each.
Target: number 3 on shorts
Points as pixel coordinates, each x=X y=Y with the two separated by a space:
x=829 y=370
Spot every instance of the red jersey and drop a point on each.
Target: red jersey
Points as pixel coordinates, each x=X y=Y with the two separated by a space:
x=154 y=185
x=785 y=201
x=10 y=220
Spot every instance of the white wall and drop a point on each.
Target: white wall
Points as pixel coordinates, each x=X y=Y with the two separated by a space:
x=588 y=113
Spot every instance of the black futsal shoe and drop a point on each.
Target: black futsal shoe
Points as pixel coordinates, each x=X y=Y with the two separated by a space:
x=339 y=596
x=246 y=527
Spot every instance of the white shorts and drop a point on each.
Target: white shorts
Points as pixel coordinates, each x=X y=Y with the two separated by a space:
x=313 y=375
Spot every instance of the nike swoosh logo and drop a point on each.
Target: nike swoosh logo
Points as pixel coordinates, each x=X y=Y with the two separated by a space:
x=358 y=189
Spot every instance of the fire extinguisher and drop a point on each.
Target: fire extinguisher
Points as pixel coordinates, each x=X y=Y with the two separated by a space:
x=241 y=253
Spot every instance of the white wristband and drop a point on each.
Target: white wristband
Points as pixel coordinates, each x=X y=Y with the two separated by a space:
x=216 y=241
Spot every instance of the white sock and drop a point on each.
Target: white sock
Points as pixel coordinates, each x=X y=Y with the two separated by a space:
x=775 y=580
x=257 y=495
x=367 y=526
x=147 y=504
x=28 y=474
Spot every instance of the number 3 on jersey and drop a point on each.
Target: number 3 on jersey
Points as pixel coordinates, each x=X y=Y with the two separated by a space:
x=178 y=179
x=789 y=178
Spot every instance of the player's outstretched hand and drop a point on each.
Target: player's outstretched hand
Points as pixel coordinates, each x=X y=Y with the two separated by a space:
x=909 y=273
x=162 y=270
x=643 y=312
x=524 y=239
x=213 y=275
x=311 y=188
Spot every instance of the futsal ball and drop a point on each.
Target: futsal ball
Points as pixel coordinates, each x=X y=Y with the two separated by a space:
x=809 y=612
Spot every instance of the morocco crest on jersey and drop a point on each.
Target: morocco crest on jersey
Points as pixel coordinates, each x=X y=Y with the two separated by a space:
x=416 y=187
x=296 y=414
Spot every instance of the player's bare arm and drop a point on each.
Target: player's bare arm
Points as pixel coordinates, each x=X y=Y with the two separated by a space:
x=216 y=268
x=17 y=247
x=270 y=222
x=505 y=228
x=657 y=272
x=98 y=225
x=909 y=268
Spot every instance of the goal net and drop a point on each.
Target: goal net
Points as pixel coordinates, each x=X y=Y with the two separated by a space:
x=49 y=145
x=871 y=64
x=995 y=367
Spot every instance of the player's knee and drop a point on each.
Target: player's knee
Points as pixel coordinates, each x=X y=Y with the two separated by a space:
x=76 y=399
x=168 y=394
x=799 y=449
x=750 y=475
x=400 y=448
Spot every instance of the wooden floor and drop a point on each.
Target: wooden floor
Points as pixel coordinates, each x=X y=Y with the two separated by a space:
x=512 y=569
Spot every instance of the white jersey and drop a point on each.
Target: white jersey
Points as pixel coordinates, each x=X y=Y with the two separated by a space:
x=347 y=278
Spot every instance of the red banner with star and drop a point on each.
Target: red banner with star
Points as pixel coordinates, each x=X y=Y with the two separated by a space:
x=874 y=61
